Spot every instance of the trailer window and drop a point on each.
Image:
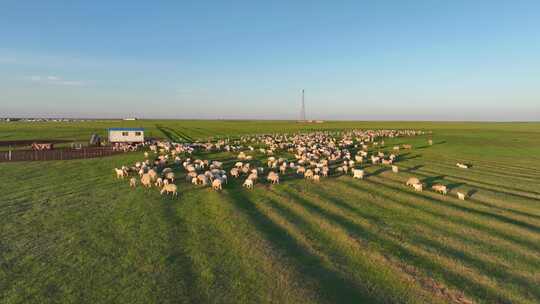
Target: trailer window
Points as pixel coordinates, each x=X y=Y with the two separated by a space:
x=137 y=133
x=124 y=133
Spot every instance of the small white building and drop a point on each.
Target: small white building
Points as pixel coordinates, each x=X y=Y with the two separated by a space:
x=126 y=135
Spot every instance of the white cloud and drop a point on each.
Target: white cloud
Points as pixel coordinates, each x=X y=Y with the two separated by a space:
x=55 y=80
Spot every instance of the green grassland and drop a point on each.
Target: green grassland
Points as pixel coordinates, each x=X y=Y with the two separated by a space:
x=71 y=233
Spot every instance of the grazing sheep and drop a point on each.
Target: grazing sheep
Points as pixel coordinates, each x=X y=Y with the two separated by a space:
x=273 y=177
x=300 y=170
x=308 y=174
x=120 y=173
x=412 y=181
x=159 y=182
x=325 y=171
x=235 y=173
x=170 y=175
x=146 y=181
x=253 y=176
x=461 y=196
x=170 y=188
x=194 y=181
x=216 y=184
x=358 y=173
x=440 y=188
x=462 y=166
x=202 y=179
x=316 y=178
x=132 y=182
x=406 y=146
x=418 y=187
x=395 y=169
x=152 y=174
x=248 y=183
x=430 y=142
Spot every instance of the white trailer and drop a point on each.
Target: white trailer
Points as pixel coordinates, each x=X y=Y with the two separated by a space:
x=126 y=135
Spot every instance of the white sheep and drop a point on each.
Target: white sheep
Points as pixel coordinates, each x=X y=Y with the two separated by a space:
x=248 y=183
x=170 y=188
x=358 y=173
x=462 y=166
x=440 y=188
x=216 y=184
x=120 y=173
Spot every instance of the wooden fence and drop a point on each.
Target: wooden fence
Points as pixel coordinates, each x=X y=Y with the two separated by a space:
x=56 y=154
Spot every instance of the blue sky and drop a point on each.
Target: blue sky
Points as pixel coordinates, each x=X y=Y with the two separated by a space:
x=362 y=60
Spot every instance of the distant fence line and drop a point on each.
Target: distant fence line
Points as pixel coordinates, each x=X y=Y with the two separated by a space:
x=56 y=154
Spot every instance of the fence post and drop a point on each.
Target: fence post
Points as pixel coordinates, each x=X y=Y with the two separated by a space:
x=9 y=153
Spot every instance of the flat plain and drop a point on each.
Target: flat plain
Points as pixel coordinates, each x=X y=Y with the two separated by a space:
x=72 y=233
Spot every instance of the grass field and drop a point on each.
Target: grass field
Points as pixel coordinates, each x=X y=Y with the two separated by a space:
x=72 y=233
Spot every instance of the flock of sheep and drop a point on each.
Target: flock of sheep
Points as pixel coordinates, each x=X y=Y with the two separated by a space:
x=313 y=156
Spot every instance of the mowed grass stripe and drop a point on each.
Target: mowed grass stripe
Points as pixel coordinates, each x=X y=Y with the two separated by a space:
x=380 y=233
x=390 y=205
x=481 y=183
x=516 y=218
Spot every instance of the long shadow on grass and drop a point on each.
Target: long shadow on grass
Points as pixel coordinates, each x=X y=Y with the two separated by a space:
x=525 y=194
x=179 y=266
x=395 y=249
x=355 y=210
x=491 y=269
x=336 y=288
x=490 y=230
x=430 y=181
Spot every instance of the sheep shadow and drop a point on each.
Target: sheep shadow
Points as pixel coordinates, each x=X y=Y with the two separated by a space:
x=378 y=171
x=471 y=192
x=412 y=169
x=429 y=181
x=405 y=156
x=454 y=186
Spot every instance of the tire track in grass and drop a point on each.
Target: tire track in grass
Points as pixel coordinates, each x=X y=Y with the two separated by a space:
x=478 y=263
